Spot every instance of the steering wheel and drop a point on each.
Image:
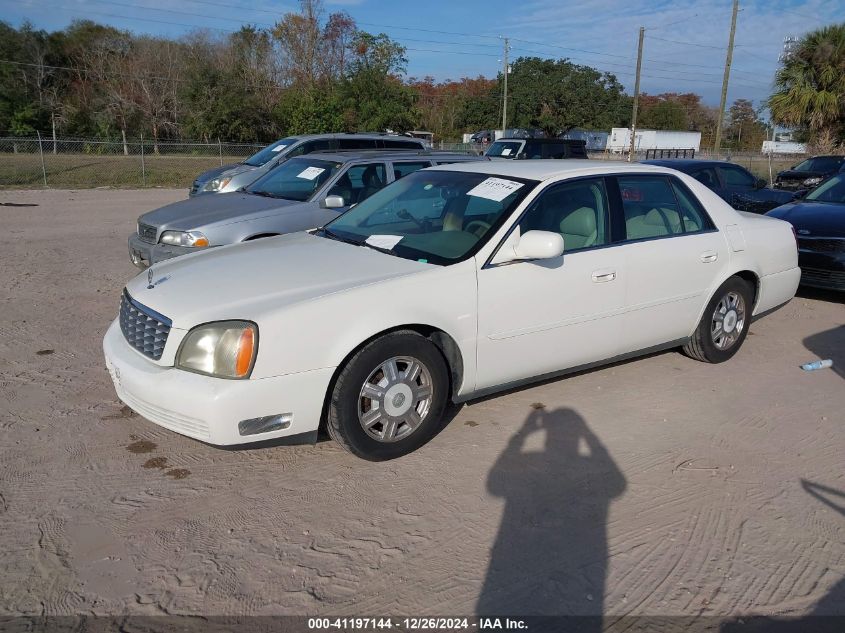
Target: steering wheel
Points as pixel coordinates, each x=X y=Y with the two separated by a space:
x=477 y=227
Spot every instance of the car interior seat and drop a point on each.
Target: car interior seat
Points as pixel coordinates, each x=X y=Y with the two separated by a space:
x=372 y=183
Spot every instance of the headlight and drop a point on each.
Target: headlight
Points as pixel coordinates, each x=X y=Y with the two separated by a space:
x=811 y=181
x=184 y=238
x=225 y=349
x=217 y=184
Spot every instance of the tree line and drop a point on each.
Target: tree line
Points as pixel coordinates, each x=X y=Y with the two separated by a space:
x=311 y=72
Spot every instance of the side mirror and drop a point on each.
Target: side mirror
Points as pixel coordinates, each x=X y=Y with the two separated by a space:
x=333 y=202
x=761 y=183
x=533 y=245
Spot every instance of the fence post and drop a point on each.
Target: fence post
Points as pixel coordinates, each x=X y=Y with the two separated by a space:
x=41 y=152
x=143 y=166
x=220 y=150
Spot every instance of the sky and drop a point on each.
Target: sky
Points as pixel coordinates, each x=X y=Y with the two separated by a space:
x=684 y=47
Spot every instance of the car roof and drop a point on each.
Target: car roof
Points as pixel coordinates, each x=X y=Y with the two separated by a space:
x=367 y=135
x=546 y=169
x=543 y=139
x=346 y=156
x=686 y=163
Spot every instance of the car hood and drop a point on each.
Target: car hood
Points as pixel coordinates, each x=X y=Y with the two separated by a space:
x=198 y=211
x=818 y=218
x=790 y=174
x=213 y=173
x=252 y=279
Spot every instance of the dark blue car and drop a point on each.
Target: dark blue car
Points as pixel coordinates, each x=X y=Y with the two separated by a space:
x=819 y=223
x=735 y=184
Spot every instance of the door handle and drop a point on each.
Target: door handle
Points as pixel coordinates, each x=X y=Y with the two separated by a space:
x=603 y=276
x=709 y=257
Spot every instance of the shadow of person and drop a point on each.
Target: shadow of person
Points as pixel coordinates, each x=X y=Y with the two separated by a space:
x=550 y=555
x=829 y=344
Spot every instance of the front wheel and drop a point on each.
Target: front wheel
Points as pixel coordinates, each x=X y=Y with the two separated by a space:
x=724 y=325
x=389 y=397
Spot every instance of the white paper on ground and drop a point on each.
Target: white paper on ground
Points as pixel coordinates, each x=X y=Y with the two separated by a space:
x=310 y=173
x=384 y=241
x=279 y=148
x=494 y=189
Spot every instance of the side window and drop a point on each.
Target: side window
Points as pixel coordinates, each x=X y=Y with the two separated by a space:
x=736 y=177
x=400 y=170
x=359 y=182
x=356 y=143
x=693 y=216
x=316 y=146
x=553 y=150
x=650 y=207
x=533 y=149
x=706 y=177
x=393 y=144
x=577 y=210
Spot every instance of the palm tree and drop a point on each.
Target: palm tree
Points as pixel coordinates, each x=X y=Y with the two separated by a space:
x=810 y=86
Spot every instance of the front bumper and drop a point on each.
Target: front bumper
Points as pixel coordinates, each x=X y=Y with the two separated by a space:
x=144 y=254
x=822 y=270
x=207 y=408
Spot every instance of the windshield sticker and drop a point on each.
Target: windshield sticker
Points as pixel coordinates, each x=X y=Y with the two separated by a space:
x=279 y=148
x=311 y=173
x=506 y=151
x=384 y=241
x=496 y=189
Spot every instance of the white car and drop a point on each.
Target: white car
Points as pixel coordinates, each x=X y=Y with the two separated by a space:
x=451 y=283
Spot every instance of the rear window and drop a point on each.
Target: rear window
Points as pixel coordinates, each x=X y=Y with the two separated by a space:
x=389 y=142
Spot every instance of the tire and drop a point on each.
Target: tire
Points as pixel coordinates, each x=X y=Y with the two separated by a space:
x=389 y=398
x=733 y=303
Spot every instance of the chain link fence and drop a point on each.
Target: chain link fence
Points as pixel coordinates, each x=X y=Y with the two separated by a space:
x=84 y=163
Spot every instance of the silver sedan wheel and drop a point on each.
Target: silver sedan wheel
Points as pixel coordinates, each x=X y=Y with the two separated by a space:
x=395 y=399
x=728 y=321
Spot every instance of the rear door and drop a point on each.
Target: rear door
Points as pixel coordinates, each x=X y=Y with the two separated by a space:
x=673 y=254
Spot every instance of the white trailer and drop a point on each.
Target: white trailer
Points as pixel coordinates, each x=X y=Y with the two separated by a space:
x=619 y=140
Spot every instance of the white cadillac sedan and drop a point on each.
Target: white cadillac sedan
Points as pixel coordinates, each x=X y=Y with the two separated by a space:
x=451 y=283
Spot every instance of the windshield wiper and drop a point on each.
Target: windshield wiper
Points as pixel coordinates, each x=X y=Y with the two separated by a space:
x=263 y=194
x=334 y=236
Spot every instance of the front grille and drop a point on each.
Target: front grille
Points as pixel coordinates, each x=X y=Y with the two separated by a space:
x=147 y=233
x=822 y=244
x=823 y=278
x=143 y=328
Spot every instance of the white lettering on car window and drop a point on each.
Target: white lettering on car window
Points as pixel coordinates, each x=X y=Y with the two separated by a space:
x=311 y=173
x=496 y=189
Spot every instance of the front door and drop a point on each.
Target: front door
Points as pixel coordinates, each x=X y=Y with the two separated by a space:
x=536 y=318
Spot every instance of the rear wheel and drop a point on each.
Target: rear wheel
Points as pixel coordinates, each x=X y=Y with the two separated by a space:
x=389 y=397
x=724 y=325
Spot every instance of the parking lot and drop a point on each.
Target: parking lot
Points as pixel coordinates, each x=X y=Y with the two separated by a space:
x=659 y=486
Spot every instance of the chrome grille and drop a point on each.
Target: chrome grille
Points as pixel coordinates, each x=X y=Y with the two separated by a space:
x=823 y=278
x=822 y=244
x=143 y=328
x=147 y=233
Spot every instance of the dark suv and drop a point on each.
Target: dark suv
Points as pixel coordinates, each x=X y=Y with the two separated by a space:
x=809 y=173
x=537 y=148
x=736 y=185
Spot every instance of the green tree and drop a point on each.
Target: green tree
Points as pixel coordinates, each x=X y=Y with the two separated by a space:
x=664 y=115
x=557 y=95
x=810 y=86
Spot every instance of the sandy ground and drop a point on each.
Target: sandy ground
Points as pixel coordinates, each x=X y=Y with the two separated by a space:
x=656 y=486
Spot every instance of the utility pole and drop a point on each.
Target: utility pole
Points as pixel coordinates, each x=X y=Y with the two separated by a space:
x=505 y=92
x=728 y=59
x=636 y=96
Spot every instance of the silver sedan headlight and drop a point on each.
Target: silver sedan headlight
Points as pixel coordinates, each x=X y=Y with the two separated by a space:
x=225 y=349
x=192 y=239
x=216 y=184
x=811 y=182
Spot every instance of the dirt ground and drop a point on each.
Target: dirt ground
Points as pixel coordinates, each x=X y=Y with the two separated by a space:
x=660 y=486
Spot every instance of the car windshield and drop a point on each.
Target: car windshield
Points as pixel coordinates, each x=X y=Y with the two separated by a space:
x=822 y=164
x=268 y=153
x=831 y=190
x=295 y=179
x=505 y=149
x=432 y=216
